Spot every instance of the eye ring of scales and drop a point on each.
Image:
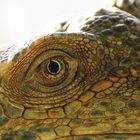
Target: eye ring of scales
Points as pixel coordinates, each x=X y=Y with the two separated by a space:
x=95 y=94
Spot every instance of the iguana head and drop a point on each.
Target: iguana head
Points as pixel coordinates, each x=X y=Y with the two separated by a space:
x=71 y=86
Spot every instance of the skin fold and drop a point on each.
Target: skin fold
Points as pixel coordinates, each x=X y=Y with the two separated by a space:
x=79 y=85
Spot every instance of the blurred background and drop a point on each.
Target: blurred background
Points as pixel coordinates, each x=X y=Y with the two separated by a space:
x=24 y=19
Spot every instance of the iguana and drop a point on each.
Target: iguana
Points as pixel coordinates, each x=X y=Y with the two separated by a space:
x=80 y=85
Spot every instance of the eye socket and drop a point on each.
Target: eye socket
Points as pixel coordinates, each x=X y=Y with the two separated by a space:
x=51 y=71
x=53 y=67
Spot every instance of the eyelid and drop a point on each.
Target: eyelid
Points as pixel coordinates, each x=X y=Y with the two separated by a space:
x=73 y=66
x=42 y=57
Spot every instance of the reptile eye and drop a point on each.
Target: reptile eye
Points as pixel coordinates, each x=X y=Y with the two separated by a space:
x=53 y=67
x=52 y=71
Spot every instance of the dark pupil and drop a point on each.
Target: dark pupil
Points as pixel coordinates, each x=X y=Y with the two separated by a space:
x=53 y=67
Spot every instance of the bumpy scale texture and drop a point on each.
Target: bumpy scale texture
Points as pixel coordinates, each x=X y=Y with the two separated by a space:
x=82 y=85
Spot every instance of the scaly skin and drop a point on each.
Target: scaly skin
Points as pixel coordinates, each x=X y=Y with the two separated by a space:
x=96 y=94
x=131 y=6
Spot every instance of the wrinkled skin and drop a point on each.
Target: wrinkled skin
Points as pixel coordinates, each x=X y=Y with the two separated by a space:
x=83 y=85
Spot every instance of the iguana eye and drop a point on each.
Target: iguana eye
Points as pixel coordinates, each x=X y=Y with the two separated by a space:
x=54 y=67
x=52 y=71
